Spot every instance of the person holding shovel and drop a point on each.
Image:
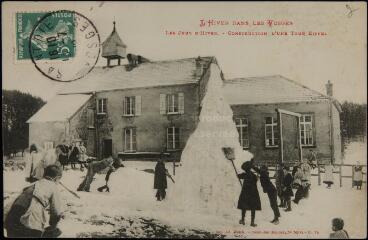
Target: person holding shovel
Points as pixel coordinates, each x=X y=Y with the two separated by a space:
x=249 y=196
x=27 y=215
x=115 y=165
x=160 y=180
x=93 y=168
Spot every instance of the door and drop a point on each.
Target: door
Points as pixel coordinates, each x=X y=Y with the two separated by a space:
x=107 y=148
x=290 y=150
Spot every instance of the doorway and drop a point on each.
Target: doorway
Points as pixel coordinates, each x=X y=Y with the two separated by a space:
x=107 y=148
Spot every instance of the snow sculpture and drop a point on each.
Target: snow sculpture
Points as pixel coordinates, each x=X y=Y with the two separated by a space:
x=206 y=181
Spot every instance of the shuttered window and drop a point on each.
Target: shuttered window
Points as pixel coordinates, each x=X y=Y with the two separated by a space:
x=174 y=103
x=132 y=106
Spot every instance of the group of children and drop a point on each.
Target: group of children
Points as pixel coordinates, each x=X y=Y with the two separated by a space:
x=285 y=181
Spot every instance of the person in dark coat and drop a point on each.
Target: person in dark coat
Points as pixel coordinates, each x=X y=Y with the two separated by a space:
x=279 y=176
x=249 y=196
x=160 y=180
x=63 y=156
x=270 y=189
x=74 y=155
x=287 y=190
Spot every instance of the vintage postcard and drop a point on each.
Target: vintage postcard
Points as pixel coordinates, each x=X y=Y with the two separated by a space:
x=184 y=119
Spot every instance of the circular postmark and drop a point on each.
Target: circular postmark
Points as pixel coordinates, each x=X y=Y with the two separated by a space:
x=64 y=45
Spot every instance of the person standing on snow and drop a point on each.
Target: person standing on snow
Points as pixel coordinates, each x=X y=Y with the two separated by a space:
x=287 y=190
x=279 y=176
x=249 y=196
x=27 y=215
x=32 y=160
x=160 y=180
x=357 y=176
x=270 y=189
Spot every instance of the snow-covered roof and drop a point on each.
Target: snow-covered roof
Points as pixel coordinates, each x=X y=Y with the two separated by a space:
x=268 y=89
x=60 y=108
x=148 y=74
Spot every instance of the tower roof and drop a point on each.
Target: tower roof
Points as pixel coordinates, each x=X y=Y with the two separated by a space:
x=113 y=46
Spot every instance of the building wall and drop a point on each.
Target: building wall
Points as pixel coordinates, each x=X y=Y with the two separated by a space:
x=337 y=135
x=150 y=125
x=256 y=116
x=78 y=128
x=41 y=132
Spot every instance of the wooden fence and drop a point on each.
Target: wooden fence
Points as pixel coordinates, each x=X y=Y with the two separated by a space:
x=272 y=168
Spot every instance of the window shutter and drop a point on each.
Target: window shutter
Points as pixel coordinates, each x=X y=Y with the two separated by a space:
x=181 y=103
x=124 y=106
x=162 y=103
x=105 y=109
x=138 y=105
x=134 y=139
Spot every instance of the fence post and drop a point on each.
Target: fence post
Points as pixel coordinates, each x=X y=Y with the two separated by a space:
x=340 y=175
x=174 y=167
x=319 y=175
x=352 y=176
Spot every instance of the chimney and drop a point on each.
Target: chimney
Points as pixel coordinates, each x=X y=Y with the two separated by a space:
x=199 y=67
x=329 y=88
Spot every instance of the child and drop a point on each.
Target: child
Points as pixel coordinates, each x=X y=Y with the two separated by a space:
x=279 y=176
x=357 y=176
x=287 y=190
x=270 y=189
x=338 y=228
x=27 y=215
x=249 y=196
x=160 y=180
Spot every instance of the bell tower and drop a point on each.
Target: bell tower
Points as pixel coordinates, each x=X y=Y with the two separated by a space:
x=113 y=47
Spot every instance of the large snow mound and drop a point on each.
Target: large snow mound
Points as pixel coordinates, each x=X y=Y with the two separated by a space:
x=207 y=181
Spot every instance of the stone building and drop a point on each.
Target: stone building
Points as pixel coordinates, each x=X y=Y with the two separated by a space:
x=254 y=100
x=140 y=109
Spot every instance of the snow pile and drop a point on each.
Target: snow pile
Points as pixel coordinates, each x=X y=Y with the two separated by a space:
x=207 y=182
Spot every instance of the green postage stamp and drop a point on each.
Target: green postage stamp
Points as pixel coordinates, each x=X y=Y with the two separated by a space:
x=54 y=39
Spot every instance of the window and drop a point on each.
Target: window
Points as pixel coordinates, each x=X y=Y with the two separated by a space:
x=101 y=106
x=48 y=145
x=129 y=106
x=130 y=140
x=271 y=132
x=172 y=103
x=173 y=138
x=306 y=130
x=242 y=127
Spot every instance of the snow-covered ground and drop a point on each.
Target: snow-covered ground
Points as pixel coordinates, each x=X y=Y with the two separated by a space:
x=130 y=210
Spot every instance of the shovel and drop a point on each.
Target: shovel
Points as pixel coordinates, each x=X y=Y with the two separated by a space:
x=76 y=195
x=229 y=154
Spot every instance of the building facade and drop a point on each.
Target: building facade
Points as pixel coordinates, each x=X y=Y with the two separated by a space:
x=143 y=108
x=257 y=123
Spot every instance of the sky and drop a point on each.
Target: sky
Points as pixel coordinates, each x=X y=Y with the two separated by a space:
x=340 y=56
